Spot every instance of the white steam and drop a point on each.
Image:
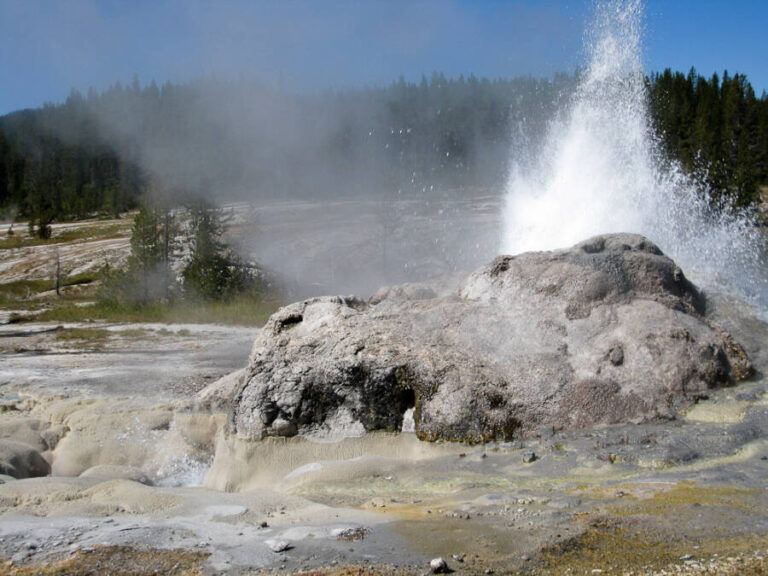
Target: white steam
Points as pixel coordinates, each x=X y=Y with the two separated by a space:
x=600 y=170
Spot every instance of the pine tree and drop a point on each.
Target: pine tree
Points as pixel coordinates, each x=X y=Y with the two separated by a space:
x=147 y=278
x=213 y=272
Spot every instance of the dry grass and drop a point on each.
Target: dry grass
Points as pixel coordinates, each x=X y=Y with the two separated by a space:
x=86 y=233
x=607 y=549
x=83 y=335
x=115 y=560
x=19 y=294
x=236 y=312
x=637 y=535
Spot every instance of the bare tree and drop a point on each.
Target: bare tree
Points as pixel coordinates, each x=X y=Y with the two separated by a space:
x=57 y=273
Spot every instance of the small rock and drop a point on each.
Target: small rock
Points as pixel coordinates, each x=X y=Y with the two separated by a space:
x=530 y=456
x=438 y=566
x=458 y=557
x=278 y=545
x=686 y=557
x=282 y=427
x=350 y=534
x=263 y=525
x=616 y=356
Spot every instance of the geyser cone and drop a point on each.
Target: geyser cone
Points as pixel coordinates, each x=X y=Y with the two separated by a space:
x=600 y=170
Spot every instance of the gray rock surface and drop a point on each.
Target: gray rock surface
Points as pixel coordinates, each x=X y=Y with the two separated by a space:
x=217 y=396
x=116 y=472
x=21 y=460
x=609 y=331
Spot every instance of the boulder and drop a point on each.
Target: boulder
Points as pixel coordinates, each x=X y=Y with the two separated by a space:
x=217 y=396
x=607 y=332
x=21 y=460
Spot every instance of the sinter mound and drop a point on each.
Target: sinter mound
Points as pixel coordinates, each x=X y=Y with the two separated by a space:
x=609 y=331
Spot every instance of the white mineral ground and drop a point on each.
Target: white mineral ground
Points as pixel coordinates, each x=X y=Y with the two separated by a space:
x=139 y=456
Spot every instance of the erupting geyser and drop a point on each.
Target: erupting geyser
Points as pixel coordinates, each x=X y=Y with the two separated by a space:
x=600 y=169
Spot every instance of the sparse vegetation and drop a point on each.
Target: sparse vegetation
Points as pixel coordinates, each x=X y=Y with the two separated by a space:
x=240 y=311
x=216 y=286
x=605 y=545
x=19 y=293
x=69 y=234
x=91 y=335
x=117 y=560
x=249 y=308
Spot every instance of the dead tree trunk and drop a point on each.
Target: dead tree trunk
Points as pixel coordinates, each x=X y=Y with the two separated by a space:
x=57 y=274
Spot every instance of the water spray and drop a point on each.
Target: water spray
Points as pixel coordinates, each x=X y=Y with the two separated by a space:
x=601 y=169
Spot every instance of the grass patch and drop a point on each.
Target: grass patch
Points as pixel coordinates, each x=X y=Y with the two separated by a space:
x=620 y=550
x=83 y=334
x=133 y=333
x=236 y=312
x=18 y=294
x=118 y=560
x=14 y=292
x=21 y=289
x=77 y=279
x=84 y=233
x=689 y=494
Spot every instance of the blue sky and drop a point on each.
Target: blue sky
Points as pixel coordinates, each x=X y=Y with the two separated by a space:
x=50 y=46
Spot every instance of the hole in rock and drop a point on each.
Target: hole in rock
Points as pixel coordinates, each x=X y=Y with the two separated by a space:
x=407 y=399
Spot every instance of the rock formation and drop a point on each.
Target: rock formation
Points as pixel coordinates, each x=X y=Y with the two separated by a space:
x=609 y=331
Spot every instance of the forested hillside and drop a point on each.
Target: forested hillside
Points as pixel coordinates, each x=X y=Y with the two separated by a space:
x=97 y=153
x=715 y=125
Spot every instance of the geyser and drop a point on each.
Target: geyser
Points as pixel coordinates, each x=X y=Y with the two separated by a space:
x=600 y=169
x=609 y=331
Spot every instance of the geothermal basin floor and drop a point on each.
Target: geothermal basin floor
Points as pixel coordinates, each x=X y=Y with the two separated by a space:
x=143 y=478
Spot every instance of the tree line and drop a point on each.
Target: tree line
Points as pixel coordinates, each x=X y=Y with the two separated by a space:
x=98 y=153
x=714 y=126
